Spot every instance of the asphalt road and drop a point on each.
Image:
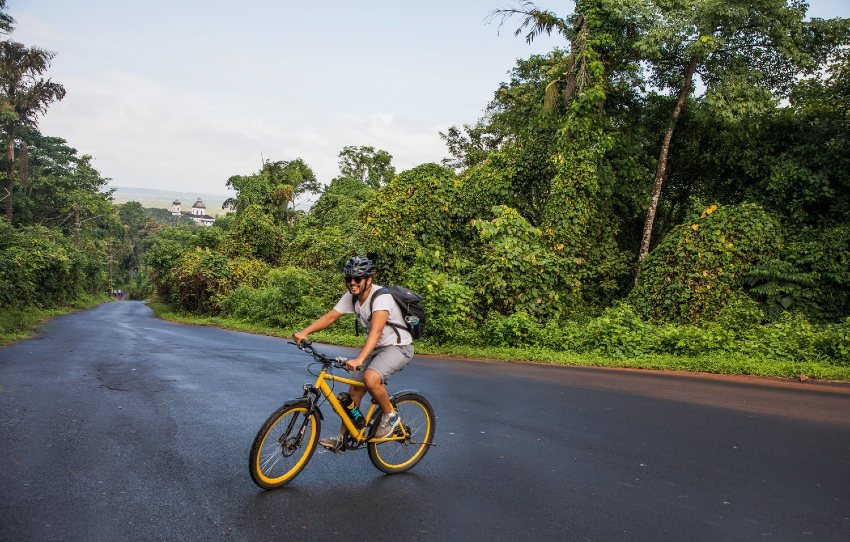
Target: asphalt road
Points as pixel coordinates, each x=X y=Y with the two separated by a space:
x=117 y=426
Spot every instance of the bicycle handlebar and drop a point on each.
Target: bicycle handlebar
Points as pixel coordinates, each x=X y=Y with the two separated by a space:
x=337 y=362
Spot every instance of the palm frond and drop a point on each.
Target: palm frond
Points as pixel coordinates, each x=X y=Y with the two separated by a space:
x=535 y=20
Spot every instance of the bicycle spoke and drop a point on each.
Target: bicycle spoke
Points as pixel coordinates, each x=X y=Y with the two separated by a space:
x=415 y=420
x=275 y=459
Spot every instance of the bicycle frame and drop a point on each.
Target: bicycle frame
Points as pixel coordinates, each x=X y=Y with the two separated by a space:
x=359 y=435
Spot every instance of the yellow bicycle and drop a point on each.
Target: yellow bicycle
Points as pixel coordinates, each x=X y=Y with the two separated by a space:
x=286 y=441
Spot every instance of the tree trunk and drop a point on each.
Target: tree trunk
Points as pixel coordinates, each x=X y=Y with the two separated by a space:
x=10 y=173
x=23 y=165
x=661 y=172
x=77 y=227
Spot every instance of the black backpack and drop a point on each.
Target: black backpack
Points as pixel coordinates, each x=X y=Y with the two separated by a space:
x=412 y=309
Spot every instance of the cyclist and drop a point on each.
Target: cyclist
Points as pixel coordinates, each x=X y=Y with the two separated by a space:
x=388 y=348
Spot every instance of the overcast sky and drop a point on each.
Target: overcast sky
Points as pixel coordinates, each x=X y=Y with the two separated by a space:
x=180 y=95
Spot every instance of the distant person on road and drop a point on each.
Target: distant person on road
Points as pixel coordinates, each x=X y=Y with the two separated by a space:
x=388 y=348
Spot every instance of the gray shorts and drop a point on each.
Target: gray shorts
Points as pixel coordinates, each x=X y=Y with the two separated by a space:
x=386 y=361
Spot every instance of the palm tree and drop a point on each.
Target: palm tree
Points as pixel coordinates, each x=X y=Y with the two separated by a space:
x=573 y=28
x=6 y=20
x=24 y=96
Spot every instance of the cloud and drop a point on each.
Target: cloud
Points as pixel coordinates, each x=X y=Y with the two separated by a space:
x=146 y=134
x=35 y=29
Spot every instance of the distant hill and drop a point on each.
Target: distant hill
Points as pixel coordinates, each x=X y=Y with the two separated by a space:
x=153 y=198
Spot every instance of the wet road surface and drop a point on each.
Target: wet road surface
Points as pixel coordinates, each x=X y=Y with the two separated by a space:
x=117 y=426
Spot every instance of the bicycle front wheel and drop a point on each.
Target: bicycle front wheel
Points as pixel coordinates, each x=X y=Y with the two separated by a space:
x=284 y=445
x=417 y=417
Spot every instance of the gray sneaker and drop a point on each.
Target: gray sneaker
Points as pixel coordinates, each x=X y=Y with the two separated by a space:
x=387 y=425
x=333 y=443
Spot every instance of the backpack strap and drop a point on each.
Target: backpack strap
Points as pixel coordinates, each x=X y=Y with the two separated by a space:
x=382 y=291
x=395 y=327
x=356 y=319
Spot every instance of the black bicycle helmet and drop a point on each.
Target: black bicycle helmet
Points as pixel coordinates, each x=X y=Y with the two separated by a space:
x=358 y=266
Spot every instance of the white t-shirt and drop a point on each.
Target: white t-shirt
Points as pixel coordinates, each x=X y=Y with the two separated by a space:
x=383 y=302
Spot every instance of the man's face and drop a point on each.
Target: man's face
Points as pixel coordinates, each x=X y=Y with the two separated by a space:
x=357 y=285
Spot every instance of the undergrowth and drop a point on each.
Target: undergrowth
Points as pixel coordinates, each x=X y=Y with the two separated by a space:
x=751 y=361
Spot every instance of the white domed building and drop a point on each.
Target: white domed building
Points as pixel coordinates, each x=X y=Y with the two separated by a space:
x=198 y=212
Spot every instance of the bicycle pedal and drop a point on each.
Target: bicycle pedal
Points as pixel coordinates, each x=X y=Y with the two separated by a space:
x=338 y=450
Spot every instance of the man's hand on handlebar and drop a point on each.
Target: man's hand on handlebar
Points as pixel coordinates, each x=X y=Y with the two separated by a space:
x=353 y=365
x=300 y=337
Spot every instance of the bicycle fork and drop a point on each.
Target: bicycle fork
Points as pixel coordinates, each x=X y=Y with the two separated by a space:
x=285 y=440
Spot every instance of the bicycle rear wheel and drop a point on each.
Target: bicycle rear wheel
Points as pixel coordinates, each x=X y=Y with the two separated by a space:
x=417 y=417
x=281 y=449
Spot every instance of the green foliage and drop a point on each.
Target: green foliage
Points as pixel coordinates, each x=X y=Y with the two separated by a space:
x=17 y=324
x=248 y=272
x=835 y=343
x=64 y=190
x=163 y=255
x=333 y=229
x=340 y=203
x=449 y=300
x=371 y=167
x=415 y=209
x=515 y=269
x=163 y=217
x=322 y=247
x=201 y=277
x=811 y=275
x=740 y=313
x=254 y=234
x=533 y=242
x=515 y=329
x=287 y=298
x=273 y=189
x=618 y=332
x=702 y=264
x=140 y=286
x=42 y=268
x=725 y=40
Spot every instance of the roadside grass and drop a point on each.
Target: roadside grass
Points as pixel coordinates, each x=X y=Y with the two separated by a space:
x=715 y=363
x=20 y=323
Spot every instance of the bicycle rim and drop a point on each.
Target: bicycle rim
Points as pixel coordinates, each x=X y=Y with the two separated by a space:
x=417 y=417
x=277 y=455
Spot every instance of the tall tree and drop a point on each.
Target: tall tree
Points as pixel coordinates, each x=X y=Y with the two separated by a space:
x=578 y=209
x=6 y=21
x=370 y=166
x=26 y=95
x=759 y=41
x=274 y=188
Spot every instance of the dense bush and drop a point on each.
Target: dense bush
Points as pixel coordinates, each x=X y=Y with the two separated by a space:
x=835 y=343
x=43 y=268
x=286 y=297
x=163 y=255
x=618 y=332
x=326 y=247
x=703 y=264
x=416 y=209
x=201 y=277
x=140 y=287
x=515 y=269
x=254 y=234
x=247 y=272
x=811 y=275
x=517 y=329
x=449 y=301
